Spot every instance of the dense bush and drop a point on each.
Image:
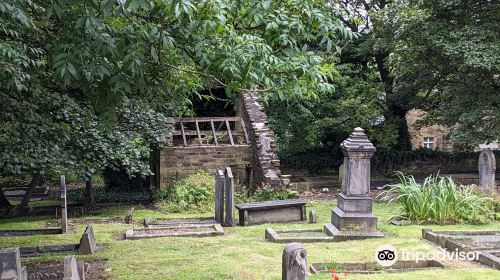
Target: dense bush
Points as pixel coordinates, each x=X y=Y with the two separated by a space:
x=119 y=179
x=265 y=193
x=196 y=193
x=320 y=159
x=268 y=193
x=438 y=199
x=103 y=195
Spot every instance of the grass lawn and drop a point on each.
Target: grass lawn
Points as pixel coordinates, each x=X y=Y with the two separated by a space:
x=242 y=253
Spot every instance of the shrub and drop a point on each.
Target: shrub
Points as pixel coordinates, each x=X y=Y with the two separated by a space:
x=440 y=200
x=196 y=193
x=103 y=195
x=268 y=193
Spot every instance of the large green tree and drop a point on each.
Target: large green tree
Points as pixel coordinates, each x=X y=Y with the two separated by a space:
x=446 y=58
x=72 y=70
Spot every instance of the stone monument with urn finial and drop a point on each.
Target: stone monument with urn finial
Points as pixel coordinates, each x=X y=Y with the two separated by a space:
x=353 y=218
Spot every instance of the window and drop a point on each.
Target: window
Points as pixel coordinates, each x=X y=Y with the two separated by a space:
x=428 y=142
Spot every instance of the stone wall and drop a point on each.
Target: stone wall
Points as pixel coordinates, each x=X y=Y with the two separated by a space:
x=189 y=160
x=267 y=165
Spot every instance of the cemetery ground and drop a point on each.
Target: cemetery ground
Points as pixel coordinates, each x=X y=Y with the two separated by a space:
x=242 y=253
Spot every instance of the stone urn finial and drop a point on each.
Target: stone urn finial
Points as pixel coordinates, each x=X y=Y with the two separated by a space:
x=357 y=141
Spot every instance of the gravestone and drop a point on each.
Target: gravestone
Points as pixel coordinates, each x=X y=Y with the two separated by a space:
x=353 y=218
x=229 y=190
x=487 y=168
x=128 y=217
x=70 y=269
x=87 y=242
x=11 y=269
x=312 y=217
x=294 y=262
x=219 y=196
x=64 y=205
x=73 y=269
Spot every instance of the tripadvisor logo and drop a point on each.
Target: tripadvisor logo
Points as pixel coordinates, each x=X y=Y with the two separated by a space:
x=386 y=255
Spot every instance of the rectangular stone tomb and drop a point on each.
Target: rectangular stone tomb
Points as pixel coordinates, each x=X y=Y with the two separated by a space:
x=373 y=267
x=29 y=232
x=184 y=230
x=19 y=192
x=485 y=242
x=277 y=211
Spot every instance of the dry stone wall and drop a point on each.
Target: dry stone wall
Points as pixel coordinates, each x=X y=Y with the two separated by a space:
x=267 y=165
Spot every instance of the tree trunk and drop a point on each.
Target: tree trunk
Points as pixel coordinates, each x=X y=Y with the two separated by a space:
x=396 y=109
x=35 y=180
x=4 y=202
x=89 y=200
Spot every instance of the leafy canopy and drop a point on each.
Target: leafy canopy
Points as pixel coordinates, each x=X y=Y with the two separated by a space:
x=87 y=84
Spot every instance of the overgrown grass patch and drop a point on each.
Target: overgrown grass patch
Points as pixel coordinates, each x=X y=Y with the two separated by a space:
x=438 y=199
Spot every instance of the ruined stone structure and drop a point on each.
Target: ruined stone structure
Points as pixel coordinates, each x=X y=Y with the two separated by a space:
x=262 y=139
x=243 y=142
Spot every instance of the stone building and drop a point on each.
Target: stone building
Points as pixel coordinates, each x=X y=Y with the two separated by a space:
x=243 y=142
x=434 y=136
x=430 y=137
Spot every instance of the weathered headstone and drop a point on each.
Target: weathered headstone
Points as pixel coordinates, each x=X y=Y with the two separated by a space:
x=353 y=218
x=219 y=196
x=11 y=269
x=87 y=244
x=487 y=168
x=229 y=190
x=128 y=217
x=312 y=217
x=64 y=205
x=294 y=262
x=73 y=269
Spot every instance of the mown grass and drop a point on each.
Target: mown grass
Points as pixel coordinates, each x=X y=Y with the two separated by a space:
x=242 y=253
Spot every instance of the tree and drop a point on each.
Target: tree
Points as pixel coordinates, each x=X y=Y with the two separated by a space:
x=303 y=124
x=446 y=54
x=373 y=48
x=70 y=69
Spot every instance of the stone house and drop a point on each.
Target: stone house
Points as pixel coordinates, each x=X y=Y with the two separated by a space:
x=434 y=136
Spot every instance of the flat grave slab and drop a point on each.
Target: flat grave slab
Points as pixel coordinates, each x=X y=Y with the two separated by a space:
x=289 y=210
x=29 y=232
x=310 y=236
x=86 y=246
x=298 y=235
x=149 y=222
x=375 y=268
x=485 y=242
x=175 y=230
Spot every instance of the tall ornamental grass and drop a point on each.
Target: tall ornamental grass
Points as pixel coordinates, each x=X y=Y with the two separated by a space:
x=438 y=199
